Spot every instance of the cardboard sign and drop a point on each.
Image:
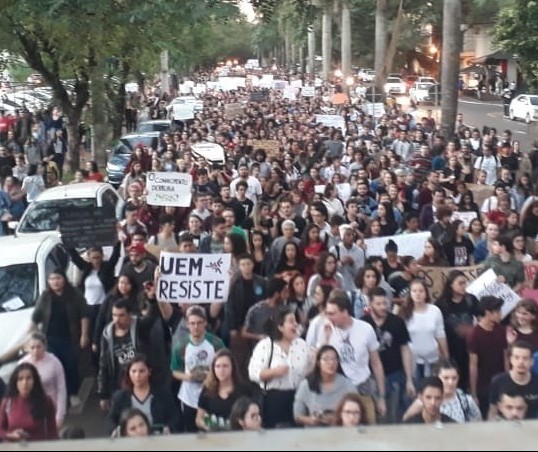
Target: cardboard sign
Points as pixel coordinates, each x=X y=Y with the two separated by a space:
x=408 y=244
x=486 y=284
x=280 y=84
x=435 y=277
x=84 y=227
x=169 y=189
x=194 y=278
x=466 y=217
x=480 y=192
x=233 y=110
x=308 y=91
x=271 y=146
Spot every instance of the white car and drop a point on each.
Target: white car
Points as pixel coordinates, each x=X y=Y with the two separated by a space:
x=25 y=264
x=41 y=216
x=395 y=85
x=524 y=106
x=427 y=80
x=419 y=91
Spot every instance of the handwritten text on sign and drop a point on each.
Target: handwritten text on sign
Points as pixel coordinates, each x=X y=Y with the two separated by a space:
x=169 y=189
x=194 y=278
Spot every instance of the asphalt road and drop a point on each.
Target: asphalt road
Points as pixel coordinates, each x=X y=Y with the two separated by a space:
x=478 y=114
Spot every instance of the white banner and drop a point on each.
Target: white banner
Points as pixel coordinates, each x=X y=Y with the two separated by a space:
x=408 y=244
x=297 y=83
x=169 y=189
x=194 y=278
x=308 y=91
x=486 y=284
x=183 y=111
x=290 y=93
x=332 y=121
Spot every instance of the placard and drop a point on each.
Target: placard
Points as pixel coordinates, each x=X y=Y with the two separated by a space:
x=332 y=121
x=486 y=284
x=466 y=217
x=376 y=109
x=408 y=244
x=259 y=96
x=480 y=192
x=271 y=146
x=435 y=277
x=169 y=189
x=308 y=91
x=84 y=227
x=193 y=278
x=233 y=110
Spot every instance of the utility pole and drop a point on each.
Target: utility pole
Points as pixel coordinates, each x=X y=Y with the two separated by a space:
x=165 y=83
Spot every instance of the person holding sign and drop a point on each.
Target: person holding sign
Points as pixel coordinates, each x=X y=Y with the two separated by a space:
x=508 y=269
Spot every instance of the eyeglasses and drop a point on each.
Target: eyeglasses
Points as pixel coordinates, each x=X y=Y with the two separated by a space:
x=352 y=412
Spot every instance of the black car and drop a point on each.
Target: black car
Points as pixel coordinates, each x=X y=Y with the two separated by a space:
x=121 y=154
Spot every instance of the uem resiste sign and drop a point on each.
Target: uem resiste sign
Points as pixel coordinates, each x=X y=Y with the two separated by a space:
x=194 y=278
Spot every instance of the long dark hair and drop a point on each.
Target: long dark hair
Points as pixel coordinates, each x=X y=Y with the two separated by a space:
x=139 y=358
x=127 y=415
x=408 y=306
x=40 y=403
x=447 y=292
x=239 y=410
x=314 y=379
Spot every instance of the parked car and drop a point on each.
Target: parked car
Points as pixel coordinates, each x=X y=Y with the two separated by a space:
x=410 y=80
x=155 y=125
x=395 y=85
x=42 y=215
x=24 y=266
x=524 y=106
x=121 y=154
x=419 y=91
x=426 y=80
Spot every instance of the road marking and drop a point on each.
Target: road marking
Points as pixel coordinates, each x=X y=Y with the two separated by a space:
x=520 y=131
x=480 y=103
x=83 y=393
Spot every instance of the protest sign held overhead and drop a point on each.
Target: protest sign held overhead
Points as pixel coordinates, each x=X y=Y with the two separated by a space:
x=169 y=189
x=84 y=227
x=194 y=278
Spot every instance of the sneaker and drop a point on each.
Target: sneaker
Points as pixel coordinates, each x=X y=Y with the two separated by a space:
x=74 y=401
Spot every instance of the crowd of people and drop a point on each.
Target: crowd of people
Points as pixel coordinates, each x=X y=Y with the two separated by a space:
x=316 y=331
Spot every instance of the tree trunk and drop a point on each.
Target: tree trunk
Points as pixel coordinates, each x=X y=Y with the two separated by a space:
x=99 y=122
x=395 y=37
x=380 y=43
x=311 y=52
x=72 y=161
x=287 y=48
x=450 y=65
x=346 y=43
x=326 y=45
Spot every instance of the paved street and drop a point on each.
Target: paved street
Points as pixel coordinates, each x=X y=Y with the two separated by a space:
x=478 y=114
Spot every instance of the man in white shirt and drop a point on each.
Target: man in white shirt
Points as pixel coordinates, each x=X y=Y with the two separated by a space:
x=254 y=190
x=357 y=346
x=350 y=257
x=488 y=163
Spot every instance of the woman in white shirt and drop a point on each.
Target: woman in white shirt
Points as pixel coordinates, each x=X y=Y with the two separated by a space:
x=278 y=364
x=426 y=329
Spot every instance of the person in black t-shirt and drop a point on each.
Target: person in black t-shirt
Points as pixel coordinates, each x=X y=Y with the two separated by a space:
x=459 y=311
x=430 y=394
x=519 y=380
x=394 y=352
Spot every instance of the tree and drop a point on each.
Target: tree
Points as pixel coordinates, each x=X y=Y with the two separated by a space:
x=346 y=40
x=516 y=31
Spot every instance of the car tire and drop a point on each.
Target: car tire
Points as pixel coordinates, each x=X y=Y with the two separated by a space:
x=511 y=115
x=527 y=119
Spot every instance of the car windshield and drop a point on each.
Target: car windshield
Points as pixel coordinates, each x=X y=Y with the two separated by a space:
x=393 y=80
x=424 y=86
x=18 y=286
x=42 y=216
x=126 y=145
x=534 y=100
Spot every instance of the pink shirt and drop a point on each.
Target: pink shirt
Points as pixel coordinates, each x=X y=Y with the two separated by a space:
x=52 y=375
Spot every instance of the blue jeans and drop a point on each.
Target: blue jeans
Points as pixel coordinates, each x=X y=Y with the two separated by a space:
x=396 y=397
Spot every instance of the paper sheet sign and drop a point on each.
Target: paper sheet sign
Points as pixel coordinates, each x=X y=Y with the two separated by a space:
x=194 y=278
x=169 y=189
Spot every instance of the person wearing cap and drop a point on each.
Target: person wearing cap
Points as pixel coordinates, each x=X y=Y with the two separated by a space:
x=61 y=315
x=191 y=360
x=139 y=268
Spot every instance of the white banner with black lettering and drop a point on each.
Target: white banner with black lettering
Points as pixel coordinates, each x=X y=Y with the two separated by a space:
x=194 y=278
x=169 y=189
